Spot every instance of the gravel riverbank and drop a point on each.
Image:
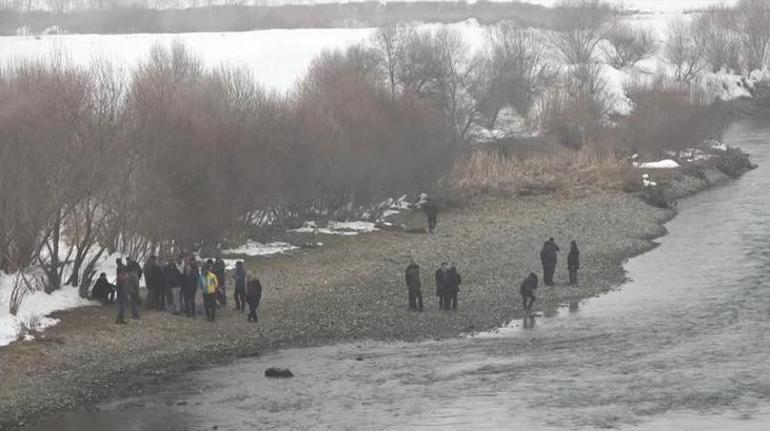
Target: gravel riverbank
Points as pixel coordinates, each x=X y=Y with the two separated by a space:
x=351 y=288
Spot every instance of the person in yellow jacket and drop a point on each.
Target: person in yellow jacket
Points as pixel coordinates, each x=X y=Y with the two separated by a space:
x=208 y=284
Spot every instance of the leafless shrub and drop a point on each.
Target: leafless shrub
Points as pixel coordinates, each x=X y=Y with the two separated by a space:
x=685 y=50
x=578 y=28
x=517 y=71
x=628 y=46
x=721 y=43
x=754 y=25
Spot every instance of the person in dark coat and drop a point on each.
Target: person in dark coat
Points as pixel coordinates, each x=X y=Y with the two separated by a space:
x=218 y=269
x=414 y=285
x=253 y=295
x=103 y=291
x=190 y=277
x=430 y=207
x=132 y=288
x=573 y=263
x=527 y=291
x=440 y=284
x=153 y=278
x=239 y=275
x=121 y=294
x=548 y=257
x=451 y=287
x=133 y=265
x=172 y=283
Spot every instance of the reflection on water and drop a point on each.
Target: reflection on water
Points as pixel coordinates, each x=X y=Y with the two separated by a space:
x=683 y=346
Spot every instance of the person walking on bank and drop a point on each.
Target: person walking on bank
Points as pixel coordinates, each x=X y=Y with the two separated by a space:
x=431 y=212
x=548 y=257
x=573 y=263
x=208 y=284
x=451 y=287
x=414 y=285
x=527 y=291
x=240 y=287
x=253 y=295
x=441 y=284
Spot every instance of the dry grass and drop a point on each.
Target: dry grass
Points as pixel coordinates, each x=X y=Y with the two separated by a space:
x=564 y=171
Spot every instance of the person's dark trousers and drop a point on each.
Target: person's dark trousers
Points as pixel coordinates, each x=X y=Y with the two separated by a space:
x=240 y=299
x=527 y=301
x=160 y=298
x=415 y=299
x=134 y=305
x=573 y=276
x=189 y=305
x=121 y=308
x=210 y=305
x=451 y=301
x=253 y=304
x=548 y=271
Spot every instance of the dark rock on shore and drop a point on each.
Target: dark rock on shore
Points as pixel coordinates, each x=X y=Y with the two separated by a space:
x=278 y=372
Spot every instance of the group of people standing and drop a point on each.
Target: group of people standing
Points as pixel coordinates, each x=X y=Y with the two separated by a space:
x=448 y=279
x=170 y=289
x=549 y=259
x=447 y=286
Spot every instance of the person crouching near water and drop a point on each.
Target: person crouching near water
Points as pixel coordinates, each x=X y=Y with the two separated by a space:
x=103 y=290
x=253 y=295
x=527 y=291
x=414 y=285
x=573 y=263
x=208 y=284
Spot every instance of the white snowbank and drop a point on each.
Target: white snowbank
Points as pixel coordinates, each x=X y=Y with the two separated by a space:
x=647 y=182
x=338 y=228
x=662 y=164
x=34 y=309
x=253 y=248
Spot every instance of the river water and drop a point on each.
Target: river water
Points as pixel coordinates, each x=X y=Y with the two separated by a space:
x=685 y=345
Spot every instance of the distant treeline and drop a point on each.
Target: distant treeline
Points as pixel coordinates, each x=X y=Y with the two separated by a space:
x=241 y=18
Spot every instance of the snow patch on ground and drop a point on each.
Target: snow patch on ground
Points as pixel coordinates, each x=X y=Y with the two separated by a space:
x=662 y=164
x=34 y=309
x=253 y=248
x=338 y=228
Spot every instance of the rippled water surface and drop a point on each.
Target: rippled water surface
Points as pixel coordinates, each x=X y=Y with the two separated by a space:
x=685 y=345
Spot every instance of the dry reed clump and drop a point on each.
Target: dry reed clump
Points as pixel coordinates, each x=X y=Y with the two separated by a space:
x=565 y=171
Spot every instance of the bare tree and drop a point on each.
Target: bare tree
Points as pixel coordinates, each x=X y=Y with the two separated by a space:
x=755 y=29
x=390 y=43
x=685 y=50
x=578 y=28
x=628 y=46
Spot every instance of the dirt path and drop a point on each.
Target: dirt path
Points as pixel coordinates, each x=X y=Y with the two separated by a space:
x=350 y=288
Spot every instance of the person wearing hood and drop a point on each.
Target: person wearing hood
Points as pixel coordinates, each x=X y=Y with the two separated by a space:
x=208 y=284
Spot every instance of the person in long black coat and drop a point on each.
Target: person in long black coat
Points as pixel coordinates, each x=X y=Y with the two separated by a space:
x=153 y=278
x=414 y=286
x=573 y=262
x=548 y=257
x=527 y=292
x=218 y=269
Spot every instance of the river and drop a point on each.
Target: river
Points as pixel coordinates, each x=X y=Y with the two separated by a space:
x=684 y=345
